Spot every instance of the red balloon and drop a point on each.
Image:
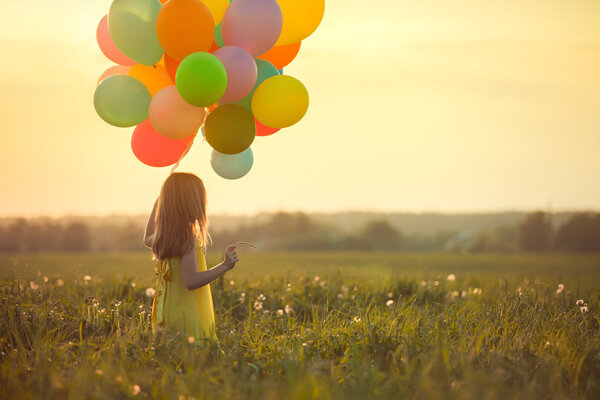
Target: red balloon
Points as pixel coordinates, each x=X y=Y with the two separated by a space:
x=263 y=130
x=155 y=150
x=107 y=45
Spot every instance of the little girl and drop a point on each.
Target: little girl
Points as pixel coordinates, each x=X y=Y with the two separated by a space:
x=177 y=233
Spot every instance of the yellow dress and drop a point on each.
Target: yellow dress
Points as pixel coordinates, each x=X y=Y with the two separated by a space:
x=181 y=310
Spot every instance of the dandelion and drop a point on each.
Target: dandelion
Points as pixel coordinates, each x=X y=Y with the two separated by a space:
x=289 y=287
x=389 y=303
x=584 y=309
x=451 y=277
x=280 y=312
x=132 y=284
x=60 y=282
x=454 y=293
x=463 y=294
x=135 y=390
x=231 y=283
x=45 y=279
x=317 y=278
x=150 y=292
x=266 y=311
x=560 y=289
x=356 y=319
x=191 y=339
x=258 y=305
x=580 y=302
x=261 y=297
x=304 y=344
x=520 y=291
x=477 y=291
x=242 y=297
x=87 y=278
x=288 y=309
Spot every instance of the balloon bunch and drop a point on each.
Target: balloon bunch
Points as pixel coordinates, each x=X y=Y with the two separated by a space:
x=183 y=65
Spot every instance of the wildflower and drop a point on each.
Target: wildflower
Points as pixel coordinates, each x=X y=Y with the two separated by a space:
x=265 y=311
x=561 y=286
x=451 y=277
x=454 y=293
x=317 y=278
x=288 y=309
x=261 y=297
x=435 y=283
x=356 y=319
x=257 y=305
x=289 y=287
x=242 y=297
x=280 y=312
x=231 y=283
x=87 y=278
x=135 y=390
x=60 y=282
x=191 y=339
x=132 y=284
x=33 y=286
x=580 y=302
x=463 y=294
x=150 y=292
x=45 y=279
x=304 y=344
x=390 y=295
x=559 y=291
x=389 y=303
x=477 y=291
x=584 y=309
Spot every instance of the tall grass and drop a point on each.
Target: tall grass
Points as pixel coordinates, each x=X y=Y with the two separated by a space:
x=304 y=326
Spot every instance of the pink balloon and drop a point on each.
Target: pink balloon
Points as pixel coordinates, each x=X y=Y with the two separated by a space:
x=114 y=70
x=241 y=72
x=173 y=117
x=107 y=45
x=263 y=130
x=253 y=25
x=155 y=150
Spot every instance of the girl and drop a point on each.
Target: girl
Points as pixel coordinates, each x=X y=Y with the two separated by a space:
x=177 y=232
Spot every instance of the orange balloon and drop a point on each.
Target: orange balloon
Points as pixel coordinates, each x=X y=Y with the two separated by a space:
x=114 y=70
x=154 y=77
x=163 y=1
x=171 y=65
x=184 y=27
x=280 y=56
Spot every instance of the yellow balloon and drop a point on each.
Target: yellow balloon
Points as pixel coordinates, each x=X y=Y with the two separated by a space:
x=280 y=101
x=154 y=77
x=300 y=19
x=217 y=8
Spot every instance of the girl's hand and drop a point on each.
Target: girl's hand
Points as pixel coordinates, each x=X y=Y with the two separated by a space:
x=231 y=256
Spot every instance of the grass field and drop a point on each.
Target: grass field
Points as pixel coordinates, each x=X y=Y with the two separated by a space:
x=308 y=325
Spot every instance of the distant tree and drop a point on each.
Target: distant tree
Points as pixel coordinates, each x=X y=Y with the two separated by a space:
x=535 y=232
x=580 y=233
x=381 y=235
x=76 y=237
x=128 y=237
x=14 y=236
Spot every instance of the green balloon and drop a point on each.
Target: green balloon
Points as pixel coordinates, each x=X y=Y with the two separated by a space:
x=122 y=100
x=201 y=79
x=132 y=27
x=264 y=70
x=219 y=36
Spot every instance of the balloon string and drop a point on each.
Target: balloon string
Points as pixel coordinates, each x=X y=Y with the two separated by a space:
x=188 y=146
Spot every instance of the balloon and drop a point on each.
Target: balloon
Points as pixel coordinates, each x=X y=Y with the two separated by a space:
x=171 y=65
x=153 y=77
x=201 y=79
x=280 y=56
x=132 y=26
x=185 y=27
x=155 y=150
x=263 y=130
x=230 y=129
x=232 y=166
x=300 y=19
x=108 y=47
x=114 y=70
x=217 y=8
x=219 y=36
x=173 y=117
x=280 y=101
x=280 y=71
x=122 y=100
x=241 y=72
x=264 y=70
x=253 y=25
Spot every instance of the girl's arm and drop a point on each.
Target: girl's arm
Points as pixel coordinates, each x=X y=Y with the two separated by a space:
x=194 y=279
x=150 y=226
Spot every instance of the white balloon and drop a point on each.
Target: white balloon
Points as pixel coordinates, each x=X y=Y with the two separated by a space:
x=232 y=166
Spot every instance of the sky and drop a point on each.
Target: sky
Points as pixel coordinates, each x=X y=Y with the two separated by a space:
x=418 y=106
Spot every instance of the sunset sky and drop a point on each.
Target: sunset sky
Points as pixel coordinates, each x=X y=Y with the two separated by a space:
x=436 y=105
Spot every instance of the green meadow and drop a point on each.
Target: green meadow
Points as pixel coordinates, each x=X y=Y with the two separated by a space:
x=307 y=326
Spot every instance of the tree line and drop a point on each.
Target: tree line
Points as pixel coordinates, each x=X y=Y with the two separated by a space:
x=298 y=231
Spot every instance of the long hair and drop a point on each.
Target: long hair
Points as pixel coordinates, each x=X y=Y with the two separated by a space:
x=180 y=216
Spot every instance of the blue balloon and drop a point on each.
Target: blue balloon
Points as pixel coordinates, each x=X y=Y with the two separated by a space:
x=232 y=166
x=280 y=71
